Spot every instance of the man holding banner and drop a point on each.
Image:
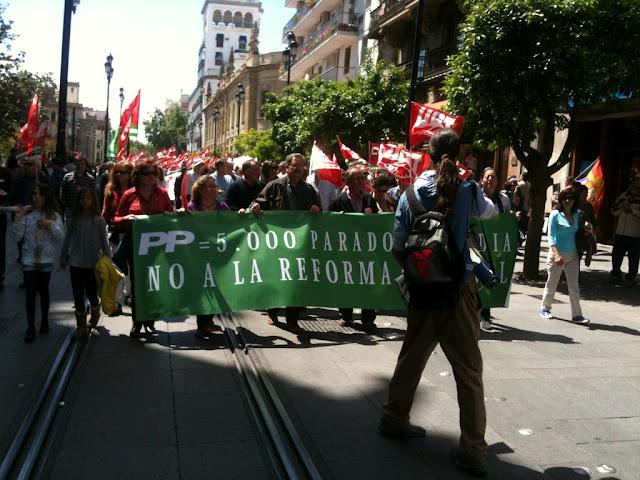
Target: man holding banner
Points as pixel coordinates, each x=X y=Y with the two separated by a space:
x=289 y=192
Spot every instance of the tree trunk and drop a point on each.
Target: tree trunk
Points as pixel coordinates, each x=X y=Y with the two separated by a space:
x=539 y=177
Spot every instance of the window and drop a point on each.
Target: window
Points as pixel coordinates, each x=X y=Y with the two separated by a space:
x=220 y=40
x=228 y=17
x=217 y=16
x=248 y=20
x=237 y=19
x=242 y=42
x=53 y=116
x=347 y=60
x=218 y=60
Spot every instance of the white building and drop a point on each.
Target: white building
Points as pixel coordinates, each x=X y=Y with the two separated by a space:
x=227 y=27
x=328 y=33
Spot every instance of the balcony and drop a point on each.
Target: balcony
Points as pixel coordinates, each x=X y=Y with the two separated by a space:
x=340 y=29
x=308 y=16
x=435 y=64
x=388 y=10
x=336 y=74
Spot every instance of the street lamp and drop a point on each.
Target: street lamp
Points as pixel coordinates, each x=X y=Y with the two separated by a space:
x=289 y=54
x=215 y=116
x=239 y=98
x=121 y=96
x=61 y=144
x=108 y=69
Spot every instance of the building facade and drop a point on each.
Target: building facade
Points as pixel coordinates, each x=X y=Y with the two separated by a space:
x=85 y=126
x=328 y=33
x=259 y=76
x=227 y=30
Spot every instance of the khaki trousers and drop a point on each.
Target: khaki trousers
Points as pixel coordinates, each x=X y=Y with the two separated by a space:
x=457 y=329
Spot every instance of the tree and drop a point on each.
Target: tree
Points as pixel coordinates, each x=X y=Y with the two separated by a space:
x=18 y=87
x=370 y=108
x=525 y=67
x=260 y=145
x=164 y=131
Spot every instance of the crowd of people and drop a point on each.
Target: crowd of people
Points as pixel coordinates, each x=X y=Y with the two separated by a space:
x=71 y=217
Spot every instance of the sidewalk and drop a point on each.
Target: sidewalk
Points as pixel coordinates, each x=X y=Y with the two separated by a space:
x=562 y=399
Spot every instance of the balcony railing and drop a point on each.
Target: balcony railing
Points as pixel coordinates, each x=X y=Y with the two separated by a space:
x=337 y=22
x=299 y=15
x=386 y=10
x=431 y=62
x=337 y=73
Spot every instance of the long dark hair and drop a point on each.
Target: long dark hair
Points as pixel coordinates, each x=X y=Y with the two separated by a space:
x=78 y=209
x=444 y=147
x=568 y=192
x=49 y=204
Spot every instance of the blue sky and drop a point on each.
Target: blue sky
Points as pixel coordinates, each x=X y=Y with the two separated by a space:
x=154 y=44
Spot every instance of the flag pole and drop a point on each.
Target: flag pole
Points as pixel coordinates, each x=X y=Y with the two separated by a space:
x=586 y=170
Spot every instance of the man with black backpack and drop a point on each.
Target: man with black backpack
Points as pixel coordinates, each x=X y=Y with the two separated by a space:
x=430 y=241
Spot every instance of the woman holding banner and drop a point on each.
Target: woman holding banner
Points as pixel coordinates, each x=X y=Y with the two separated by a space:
x=145 y=198
x=204 y=198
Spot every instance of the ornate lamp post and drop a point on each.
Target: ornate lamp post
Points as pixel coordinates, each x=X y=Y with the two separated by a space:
x=289 y=54
x=215 y=116
x=108 y=69
x=121 y=96
x=240 y=93
x=61 y=144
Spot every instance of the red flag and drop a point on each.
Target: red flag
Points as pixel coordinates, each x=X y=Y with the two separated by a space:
x=348 y=154
x=129 y=118
x=463 y=171
x=373 y=153
x=426 y=120
x=29 y=130
x=327 y=168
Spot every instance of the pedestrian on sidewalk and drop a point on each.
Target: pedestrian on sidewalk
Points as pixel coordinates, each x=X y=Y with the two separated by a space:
x=73 y=182
x=204 y=198
x=39 y=230
x=455 y=327
x=501 y=205
x=119 y=182
x=627 y=238
x=85 y=240
x=289 y=192
x=145 y=198
x=564 y=222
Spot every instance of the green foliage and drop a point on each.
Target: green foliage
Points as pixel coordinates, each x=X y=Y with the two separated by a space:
x=18 y=88
x=521 y=61
x=164 y=131
x=370 y=108
x=260 y=145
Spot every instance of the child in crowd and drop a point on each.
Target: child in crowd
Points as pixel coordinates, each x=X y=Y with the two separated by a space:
x=85 y=239
x=39 y=229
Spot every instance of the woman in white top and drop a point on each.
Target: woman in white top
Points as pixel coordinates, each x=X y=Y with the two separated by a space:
x=39 y=228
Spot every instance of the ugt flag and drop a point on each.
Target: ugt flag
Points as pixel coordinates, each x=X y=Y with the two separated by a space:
x=129 y=125
x=426 y=120
x=327 y=168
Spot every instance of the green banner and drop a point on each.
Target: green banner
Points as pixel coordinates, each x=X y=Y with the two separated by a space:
x=499 y=244
x=222 y=262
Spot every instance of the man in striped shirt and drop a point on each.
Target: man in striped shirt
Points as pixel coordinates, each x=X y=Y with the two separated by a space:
x=72 y=182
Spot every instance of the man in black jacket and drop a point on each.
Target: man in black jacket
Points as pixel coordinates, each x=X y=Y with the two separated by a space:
x=289 y=192
x=246 y=189
x=356 y=200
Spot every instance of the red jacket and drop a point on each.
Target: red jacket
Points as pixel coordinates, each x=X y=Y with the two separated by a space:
x=110 y=207
x=130 y=204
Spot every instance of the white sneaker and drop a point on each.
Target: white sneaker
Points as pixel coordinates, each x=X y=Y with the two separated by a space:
x=546 y=313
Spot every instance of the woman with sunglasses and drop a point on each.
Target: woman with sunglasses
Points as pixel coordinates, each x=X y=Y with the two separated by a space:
x=145 y=198
x=120 y=181
x=564 y=222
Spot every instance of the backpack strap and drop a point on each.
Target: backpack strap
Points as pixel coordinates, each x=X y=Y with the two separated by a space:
x=415 y=205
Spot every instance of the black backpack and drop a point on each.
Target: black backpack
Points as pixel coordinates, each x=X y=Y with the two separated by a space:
x=433 y=266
